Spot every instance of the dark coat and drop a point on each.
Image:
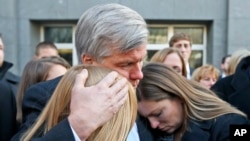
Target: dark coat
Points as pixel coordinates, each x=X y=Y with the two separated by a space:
x=7 y=112
x=235 y=89
x=34 y=101
x=8 y=77
x=217 y=129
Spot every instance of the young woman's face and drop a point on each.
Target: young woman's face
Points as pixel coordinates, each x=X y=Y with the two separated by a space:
x=165 y=115
x=174 y=61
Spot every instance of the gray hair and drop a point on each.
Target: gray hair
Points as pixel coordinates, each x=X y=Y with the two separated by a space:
x=106 y=28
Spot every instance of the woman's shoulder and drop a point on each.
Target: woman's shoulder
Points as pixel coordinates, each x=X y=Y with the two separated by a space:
x=232 y=118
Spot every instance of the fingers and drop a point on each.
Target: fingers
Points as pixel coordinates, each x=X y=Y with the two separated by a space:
x=119 y=84
x=109 y=80
x=120 y=98
x=81 y=77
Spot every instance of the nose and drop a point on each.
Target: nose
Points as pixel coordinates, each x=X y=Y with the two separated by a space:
x=154 y=123
x=136 y=72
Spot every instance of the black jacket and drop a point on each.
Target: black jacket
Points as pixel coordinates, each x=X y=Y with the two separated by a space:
x=217 y=129
x=8 y=77
x=235 y=89
x=7 y=112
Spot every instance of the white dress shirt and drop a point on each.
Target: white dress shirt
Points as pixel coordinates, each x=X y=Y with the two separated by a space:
x=188 y=71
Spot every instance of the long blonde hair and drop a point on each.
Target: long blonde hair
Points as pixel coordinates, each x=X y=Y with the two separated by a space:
x=58 y=108
x=162 y=82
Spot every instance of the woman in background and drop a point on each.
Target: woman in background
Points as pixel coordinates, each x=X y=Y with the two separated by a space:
x=207 y=75
x=36 y=71
x=171 y=57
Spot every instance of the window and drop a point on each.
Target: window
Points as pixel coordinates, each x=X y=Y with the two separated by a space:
x=63 y=37
x=159 y=35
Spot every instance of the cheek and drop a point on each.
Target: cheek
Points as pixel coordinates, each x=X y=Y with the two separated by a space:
x=124 y=73
x=141 y=109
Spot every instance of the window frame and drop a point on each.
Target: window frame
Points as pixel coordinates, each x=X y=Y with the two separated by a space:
x=62 y=45
x=170 y=27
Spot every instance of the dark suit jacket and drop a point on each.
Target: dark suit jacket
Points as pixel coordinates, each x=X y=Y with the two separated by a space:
x=235 y=88
x=7 y=112
x=212 y=130
x=33 y=103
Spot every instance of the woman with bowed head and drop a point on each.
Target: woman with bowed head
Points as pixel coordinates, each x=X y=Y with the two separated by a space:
x=182 y=109
x=58 y=108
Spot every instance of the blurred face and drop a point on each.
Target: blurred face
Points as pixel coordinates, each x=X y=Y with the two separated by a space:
x=55 y=71
x=127 y=64
x=208 y=81
x=46 y=52
x=225 y=66
x=184 y=47
x=174 y=61
x=165 y=115
x=1 y=52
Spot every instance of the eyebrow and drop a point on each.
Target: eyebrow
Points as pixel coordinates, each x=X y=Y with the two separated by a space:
x=152 y=113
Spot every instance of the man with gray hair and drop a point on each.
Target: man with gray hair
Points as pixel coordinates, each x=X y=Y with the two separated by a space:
x=110 y=35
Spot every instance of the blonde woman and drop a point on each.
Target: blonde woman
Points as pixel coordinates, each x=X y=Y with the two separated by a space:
x=171 y=57
x=182 y=109
x=206 y=75
x=58 y=108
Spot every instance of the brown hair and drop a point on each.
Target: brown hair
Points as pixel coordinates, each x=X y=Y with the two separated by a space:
x=36 y=71
x=179 y=36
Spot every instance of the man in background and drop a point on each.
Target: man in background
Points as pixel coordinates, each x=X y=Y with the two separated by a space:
x=8 y=89
x=183 y=43
x=224 y=65
x=5 y=75
x=45 y=49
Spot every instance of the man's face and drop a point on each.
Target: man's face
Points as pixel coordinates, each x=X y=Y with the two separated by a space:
x=1 y=52
x=46 y=52
x=184 y=47
x=127 y=64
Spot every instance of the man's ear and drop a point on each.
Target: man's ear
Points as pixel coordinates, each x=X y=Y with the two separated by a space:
x=86 y=59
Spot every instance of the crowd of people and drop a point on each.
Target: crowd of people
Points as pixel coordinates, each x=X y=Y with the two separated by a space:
x=115 y=94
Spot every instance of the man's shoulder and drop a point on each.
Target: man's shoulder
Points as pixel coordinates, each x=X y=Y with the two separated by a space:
x=50 y=84
x=11 y=77
x=224 y=82
x=42 y=89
